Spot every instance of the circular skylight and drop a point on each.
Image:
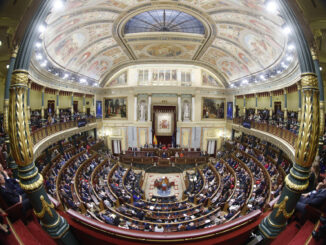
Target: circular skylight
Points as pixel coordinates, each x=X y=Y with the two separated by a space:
x=164 y=20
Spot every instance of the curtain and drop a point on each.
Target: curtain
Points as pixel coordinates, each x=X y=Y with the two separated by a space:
x=211 y=147
x=116 y=146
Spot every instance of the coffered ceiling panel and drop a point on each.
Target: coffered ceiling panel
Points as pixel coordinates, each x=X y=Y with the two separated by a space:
x=235 y=38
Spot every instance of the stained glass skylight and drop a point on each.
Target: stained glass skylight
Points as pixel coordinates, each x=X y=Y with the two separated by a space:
x=164 y=20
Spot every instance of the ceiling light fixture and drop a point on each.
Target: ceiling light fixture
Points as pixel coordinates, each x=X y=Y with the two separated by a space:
x=7 y=66
x=0 y=43
x=272 y=6
x=41 y=28
x=38 y=45
x=291 y=47
x=286 y=30
x=289 y=58
x=320 y=68
x=58 y=5
x=39 y=56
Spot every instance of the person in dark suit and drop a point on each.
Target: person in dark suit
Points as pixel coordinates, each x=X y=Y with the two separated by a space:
x=314 y=198
x=11 y=196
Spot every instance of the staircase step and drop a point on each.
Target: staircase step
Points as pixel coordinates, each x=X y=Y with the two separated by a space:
x=24 y=234
x=42 y=236
x=286 y=236
x=312 y=241
x=303 y=234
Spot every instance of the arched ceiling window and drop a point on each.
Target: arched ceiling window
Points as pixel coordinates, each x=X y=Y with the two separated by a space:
x=164 y=20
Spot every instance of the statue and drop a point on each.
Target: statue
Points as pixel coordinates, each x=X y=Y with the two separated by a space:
x=142 y=108
x=186 y=112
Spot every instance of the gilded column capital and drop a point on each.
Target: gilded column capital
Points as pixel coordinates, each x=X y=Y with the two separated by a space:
x=43 y=89
x=309 y=81
x=15 y=51
x=19 y=77
x=314 y=53
x=57 y=92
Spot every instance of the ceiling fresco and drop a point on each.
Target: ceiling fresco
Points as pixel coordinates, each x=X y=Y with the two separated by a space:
x=244 y=38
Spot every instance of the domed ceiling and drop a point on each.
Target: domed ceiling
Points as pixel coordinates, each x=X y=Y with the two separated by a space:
x=95 y=38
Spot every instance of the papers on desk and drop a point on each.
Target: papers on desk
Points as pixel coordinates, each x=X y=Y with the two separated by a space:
x=151 y=207
x=207 y=221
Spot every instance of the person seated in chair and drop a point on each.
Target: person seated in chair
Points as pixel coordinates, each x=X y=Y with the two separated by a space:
x=11 y=196
x=314 y=198
x=164 y=155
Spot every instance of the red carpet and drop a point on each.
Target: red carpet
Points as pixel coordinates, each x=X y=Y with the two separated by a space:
x=286 y=236
x=304 y=233
x=24 y=234
x=40 y=235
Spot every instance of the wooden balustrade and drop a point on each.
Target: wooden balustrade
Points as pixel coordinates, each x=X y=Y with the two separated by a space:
x=220 y=233
x=282 y=133
x=41 y=133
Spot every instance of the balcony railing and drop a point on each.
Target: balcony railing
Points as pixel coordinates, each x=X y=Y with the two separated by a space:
x=282 y=133
x=41 y=133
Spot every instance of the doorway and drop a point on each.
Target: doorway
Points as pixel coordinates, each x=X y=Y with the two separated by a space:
x=51 y=107
x=277 y=107
x=75 y=106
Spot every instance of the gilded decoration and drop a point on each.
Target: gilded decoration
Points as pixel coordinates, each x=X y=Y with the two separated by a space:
x=314 y=53
x=322 y=118
x=281 y=208
x=46 y=207
x=19 y=133
x=307 y=141
x=32 y=186
x=294 y=186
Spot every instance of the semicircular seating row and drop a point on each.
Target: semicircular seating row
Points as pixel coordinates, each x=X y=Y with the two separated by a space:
x=239 y=181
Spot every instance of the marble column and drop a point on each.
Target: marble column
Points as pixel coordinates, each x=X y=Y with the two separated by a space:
x=93 y=110
x=179 y=108
x=285 y=105
x=256 y=105
x=149 y=115
x=42 y=108
x=72 y=105
x=135 y=107
x=270 y=105
x=244 y=106
x=193 y=108
x=84 y=104
x=57 y=93
x=234 y=106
